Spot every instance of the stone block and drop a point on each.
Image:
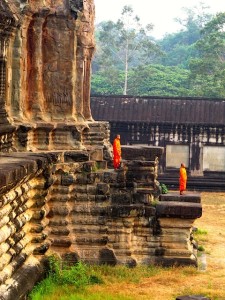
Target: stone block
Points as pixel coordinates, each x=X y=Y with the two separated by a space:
x=59 y=231
x=91 y=240
x=142 y=198
x=96 y=154
x=102 y=198
x=192 y=297
x=110 y=177
x=107 y=256
x=176 y=223
x=127 y=211
x=174 y=209
x=120 y=199
x=150 y=211
x=61 y=242
x=175 y=261
x=67 y=179
x=40 y=250
x=76 y=156
x=41 y=136
x=187 y=197
x=103 y=189
x=148 y=153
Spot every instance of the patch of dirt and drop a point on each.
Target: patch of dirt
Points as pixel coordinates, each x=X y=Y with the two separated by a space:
x=213 y=221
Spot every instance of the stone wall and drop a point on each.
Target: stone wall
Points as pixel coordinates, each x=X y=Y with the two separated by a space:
x=24 y=182
x=70 y=203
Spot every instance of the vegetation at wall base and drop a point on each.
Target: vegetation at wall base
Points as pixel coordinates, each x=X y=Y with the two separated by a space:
x=114 y=283
x=78 y=276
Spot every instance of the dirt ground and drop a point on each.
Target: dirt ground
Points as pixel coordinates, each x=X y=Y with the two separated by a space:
x=173 y=282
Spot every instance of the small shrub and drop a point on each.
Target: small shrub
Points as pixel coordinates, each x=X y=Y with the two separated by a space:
x=78 y=276
x=164 y=188
x=201 y=248
x=200 y=232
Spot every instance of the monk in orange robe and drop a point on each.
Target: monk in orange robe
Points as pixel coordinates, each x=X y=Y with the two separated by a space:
x=116 y=152
x=183 y=178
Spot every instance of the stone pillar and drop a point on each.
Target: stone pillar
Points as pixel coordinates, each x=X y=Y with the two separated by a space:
x=35 y=101
x=88 y=53
x=3 y=118
x=176 y=215
x=7 y=28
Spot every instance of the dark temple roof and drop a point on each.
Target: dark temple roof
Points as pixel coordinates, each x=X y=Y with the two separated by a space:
x=158 y=109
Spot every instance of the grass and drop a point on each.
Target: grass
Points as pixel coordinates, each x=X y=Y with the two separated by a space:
x=145 y=282
x=73 y=282
x=200 y=235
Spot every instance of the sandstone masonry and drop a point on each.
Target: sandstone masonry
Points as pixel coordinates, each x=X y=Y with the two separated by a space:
x=58 y=192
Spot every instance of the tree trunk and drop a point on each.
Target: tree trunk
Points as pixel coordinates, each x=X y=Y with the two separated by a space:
x=126 y=71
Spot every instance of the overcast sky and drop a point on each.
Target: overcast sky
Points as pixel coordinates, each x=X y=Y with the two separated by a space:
x=160 y=13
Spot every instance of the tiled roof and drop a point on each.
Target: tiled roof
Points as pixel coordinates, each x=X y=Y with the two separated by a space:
x=158 y=109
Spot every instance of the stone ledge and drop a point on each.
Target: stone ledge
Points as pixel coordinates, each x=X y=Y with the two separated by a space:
x=76 y=156
x=16 y=167
x=23 y=281
x=175 y=261
x=132 y=211
x=139 y=152
x=175 y=196
x=173 y=209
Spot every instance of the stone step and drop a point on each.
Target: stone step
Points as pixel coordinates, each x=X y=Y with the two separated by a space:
x=144 y=190
x=173 y=209
x=187 y=197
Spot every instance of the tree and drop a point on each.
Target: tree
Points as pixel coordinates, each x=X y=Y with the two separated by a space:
x=124 y=44
x=107 y=82
x=158 y=80
x=208 y=70
x=179 y=47
x=149 y=80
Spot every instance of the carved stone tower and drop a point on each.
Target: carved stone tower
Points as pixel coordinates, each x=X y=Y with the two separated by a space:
x=46 y=48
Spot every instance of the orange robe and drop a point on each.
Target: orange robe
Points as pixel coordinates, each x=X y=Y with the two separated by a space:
x=116 y=153
x=183 y=179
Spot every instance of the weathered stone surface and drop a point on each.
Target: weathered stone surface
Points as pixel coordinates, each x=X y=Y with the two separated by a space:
x=187 y=197
x=56 y=193
x=29 y=274
x=192 y=297
x=141 y=152
x=174 y=209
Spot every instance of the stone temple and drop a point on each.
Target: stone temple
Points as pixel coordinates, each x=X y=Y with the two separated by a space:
x=58 y=192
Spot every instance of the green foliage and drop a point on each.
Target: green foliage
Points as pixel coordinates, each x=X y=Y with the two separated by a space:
x=200 y=232
x=70 y=282
x=164 y=188
x=123 y=273
x=94 y=296
x=123 y=44
x=208 y=70
x=77 y=275
x=199 y=236
x=179 y=47
x=158 y=80
x=129 y=61
x=201 y=248
x=108 y=82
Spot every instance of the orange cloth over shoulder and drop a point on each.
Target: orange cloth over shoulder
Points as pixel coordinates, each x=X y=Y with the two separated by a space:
x=183 y=178
x=116 y=152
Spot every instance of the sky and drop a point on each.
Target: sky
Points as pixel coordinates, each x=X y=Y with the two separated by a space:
x=160 y=13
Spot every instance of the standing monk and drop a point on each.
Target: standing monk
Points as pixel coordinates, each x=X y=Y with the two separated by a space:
x=116 y=152
x=183 y=178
